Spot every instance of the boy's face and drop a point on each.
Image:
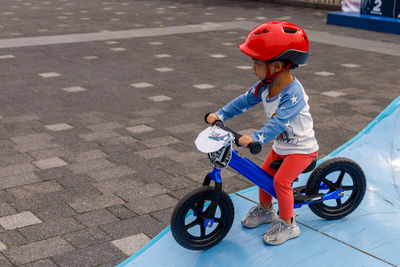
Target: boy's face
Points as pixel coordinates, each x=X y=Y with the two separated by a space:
x=259 y=68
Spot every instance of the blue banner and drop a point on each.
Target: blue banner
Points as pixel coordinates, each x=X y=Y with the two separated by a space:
x=385 y=8
x=397 y=10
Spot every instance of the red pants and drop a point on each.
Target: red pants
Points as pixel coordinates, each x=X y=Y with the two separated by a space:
x=292 y=166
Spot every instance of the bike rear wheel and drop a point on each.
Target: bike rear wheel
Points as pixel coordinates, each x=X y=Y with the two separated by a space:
x=189 y=217
x=332 y=175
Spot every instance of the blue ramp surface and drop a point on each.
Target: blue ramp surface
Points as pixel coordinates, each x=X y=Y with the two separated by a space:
x=370 y=236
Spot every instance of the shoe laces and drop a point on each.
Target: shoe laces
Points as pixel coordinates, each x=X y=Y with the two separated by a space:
x=276 y=227
x=255 y=211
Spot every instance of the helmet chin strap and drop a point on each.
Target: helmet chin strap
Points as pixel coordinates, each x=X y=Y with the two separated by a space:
x=269 y=78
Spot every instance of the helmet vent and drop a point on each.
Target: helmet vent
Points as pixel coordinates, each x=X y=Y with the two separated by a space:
x=289 y=30
x=264 y=31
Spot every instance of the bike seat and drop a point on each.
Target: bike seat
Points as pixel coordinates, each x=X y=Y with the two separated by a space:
x=277 y=163
x=311 y=166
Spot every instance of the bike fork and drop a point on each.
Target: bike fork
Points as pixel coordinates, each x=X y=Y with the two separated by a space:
x=215 y=176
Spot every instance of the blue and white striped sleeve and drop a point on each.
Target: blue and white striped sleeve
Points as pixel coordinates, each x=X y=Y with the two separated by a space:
x=291 y=103
x=239 y=105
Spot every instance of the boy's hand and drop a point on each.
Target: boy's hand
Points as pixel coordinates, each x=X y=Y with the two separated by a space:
x=211 y=118
x=245 y=140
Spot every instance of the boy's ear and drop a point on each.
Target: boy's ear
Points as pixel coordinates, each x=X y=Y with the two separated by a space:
x=279 y=65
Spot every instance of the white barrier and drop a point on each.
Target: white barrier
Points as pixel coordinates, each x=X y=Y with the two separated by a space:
x=351 y=5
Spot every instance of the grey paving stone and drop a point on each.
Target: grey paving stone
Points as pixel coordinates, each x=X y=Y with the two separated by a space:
x=27 y=191
x=6 y=196
x=122 y=140
x=17 y=169
x=8 y=150
x=50 y=229
x=38 y=250
x=163 y=216
x=75 y=192
x=155 y=152
x=13 y=238
x=138 y=121
x=90 y=155
x=130 y=189
x=37 y=201
x=6 y=144
x=4 y=261
x=52 y=153
x=112 y=263
x=40 y=263
x=74 y=180
x=91 y=165
x=110 y=173
x=50 y=163
x=21 y=118
x=91 y=117
x=105 y=126
x=87 y=237
x=59 y=127
x=184 y=157
x=96 y=218
x=121 y=212
x=15 y=159
x=98 y=135
x=54 y=211
x=32 y=138
x=67 y=139
x=91 y=256
x=2 y=246
x=182 y=169
x=140 y=224
x=162 y=141
x=55 y=173
x=152 y=204
x=131 y=244
x=198 y=104
x=180 y=193
x=30 y=147
x=184 y=128
x=150 y=112
x=6 y=209
x=140 y=129
x=234 y=87
x=19 y=220
x=94 y=203
x=141 y=192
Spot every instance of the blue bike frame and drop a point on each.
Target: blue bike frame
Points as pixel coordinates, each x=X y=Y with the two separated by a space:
x=260 y=178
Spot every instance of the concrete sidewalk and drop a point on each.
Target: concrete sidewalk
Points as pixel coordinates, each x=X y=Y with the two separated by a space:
x=98 y=124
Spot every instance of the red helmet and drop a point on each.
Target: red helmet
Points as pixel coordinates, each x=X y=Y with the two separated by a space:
x=277 y=40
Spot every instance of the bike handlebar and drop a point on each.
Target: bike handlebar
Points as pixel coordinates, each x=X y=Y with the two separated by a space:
x=255 y=147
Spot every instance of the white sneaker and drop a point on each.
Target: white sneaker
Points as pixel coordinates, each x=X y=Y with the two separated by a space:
x=280 y=232
x=257 y=215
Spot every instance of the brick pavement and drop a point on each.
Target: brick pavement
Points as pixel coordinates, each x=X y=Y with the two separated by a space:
x=97 y=137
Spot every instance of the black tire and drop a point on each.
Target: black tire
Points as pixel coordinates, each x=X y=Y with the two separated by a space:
x=331 y=175
x=185 y=233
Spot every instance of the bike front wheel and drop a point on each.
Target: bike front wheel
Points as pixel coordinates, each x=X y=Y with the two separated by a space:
x=188 y=221
x=335 y=174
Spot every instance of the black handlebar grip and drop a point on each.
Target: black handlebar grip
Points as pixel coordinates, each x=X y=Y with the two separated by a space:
x=255 y=147
x=218 y=123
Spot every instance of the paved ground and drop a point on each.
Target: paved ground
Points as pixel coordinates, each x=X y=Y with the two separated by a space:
x=96 y=134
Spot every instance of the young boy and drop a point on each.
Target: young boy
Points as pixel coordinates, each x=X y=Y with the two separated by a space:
x=276 y=47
